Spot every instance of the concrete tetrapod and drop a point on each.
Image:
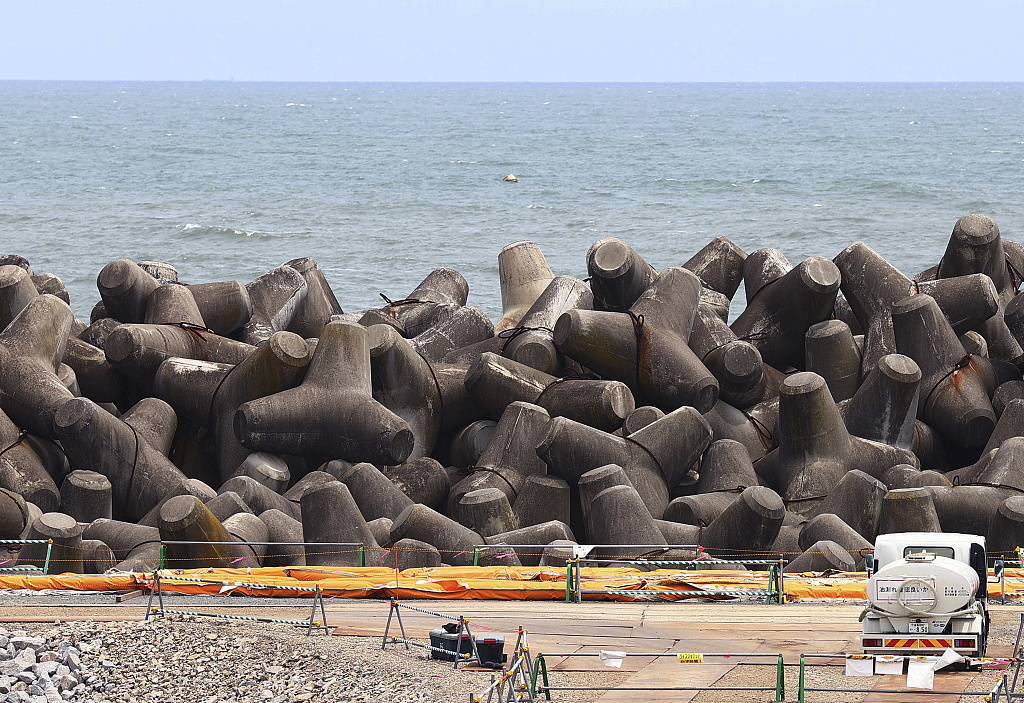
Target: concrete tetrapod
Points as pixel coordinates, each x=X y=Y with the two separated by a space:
x=66 y=552
x=541 y=499
x=381 y=530
x=648 y=348
x=523 y=273
x=276 y=298
x=320 y=302
x=750 y=524
x=617 y=516
x=424 y=480
x=97 y=557
x=252 y=536
x=85 y=496
x=436 y=297
x=830 y=527
x=719 y=265
x=815 y=450
x=654 y=458
x=908 y=510
x=224 y=505
x=1006 y=528
x=274 y=367
x=154 y=422
x=125 y=289
x=31 y=347
x=640 y=418
x=173 y=305
x=140 y=476
x=329 y=517
x=375 y=494
x=777 y=318
x=510 y=457
x=618 y=274
x=530 y=342
x=412 y=554
x=282 y=527
x=975 y=247
x=496 y=382
x=224 y=305
x=309 y=482
x=464 y=327
x=753 y=427
x=136 y=546
x=332 y=412
x=97 y=378
x=268 y=469
x=831 y=352
x=762 y=267
x=534 y=536
x=884 y=408
x=743 y=377
x=14 y=515
x=822 y=556
x=954 y=399
x=404 y=383
x=593 y=482
x=469 y=443
x=16 y=292
x=454 y=541
x=138 y=350
x=186 y=519
x=22 y=470
x=1006 y=392
x=487 y=512
x=857 y=501
x=258 y=497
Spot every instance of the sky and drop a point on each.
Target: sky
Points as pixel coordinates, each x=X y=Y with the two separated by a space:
x=514 y=40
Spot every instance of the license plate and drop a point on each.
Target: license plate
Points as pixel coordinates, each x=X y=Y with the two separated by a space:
x=919 y=628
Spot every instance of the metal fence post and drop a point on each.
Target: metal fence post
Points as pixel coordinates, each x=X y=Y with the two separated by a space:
x=476 y=555
x=163 y=556
x=800 y=685
x=46 y=564
x=362 y=555
x=540 y=666
x=780 y=681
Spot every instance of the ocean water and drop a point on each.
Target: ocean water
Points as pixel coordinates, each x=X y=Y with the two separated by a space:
x=383 y=182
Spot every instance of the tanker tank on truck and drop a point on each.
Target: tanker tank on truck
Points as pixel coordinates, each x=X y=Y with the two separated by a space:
x=927 y=592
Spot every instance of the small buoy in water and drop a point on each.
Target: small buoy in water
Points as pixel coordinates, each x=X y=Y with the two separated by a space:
x=510 y=178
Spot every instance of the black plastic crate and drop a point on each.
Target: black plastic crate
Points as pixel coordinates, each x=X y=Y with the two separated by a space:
x=448 y=641
x=491 y=649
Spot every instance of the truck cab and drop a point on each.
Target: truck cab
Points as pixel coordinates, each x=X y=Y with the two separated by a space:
x=927 y=592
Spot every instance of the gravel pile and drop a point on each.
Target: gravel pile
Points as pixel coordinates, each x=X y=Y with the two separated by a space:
x=204 y=661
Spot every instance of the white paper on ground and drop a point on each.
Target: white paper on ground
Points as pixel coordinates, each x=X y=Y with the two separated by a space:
x=948 y=657
x=611 y=658
x=859 y=667
x=921 y=673
x=888 y=664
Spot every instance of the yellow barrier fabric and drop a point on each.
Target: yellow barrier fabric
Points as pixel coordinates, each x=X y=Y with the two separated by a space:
x=471 y=583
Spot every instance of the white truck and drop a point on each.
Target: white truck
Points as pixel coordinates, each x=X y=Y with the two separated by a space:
x=927 y=592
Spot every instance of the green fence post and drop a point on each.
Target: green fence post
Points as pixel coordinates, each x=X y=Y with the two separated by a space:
x=163 y=556
x=800 y=685
x=476 y=556
x=540 y=666
x=46 y=564
x=780 y=682
x=362 y=555
x=568 y=581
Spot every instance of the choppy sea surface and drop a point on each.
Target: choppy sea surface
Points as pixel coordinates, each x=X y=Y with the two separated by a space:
x=383 y=182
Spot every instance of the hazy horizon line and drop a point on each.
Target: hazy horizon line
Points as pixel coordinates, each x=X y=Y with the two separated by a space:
x=505 y=82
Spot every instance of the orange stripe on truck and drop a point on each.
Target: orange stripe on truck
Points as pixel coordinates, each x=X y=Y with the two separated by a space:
x=919 y=643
